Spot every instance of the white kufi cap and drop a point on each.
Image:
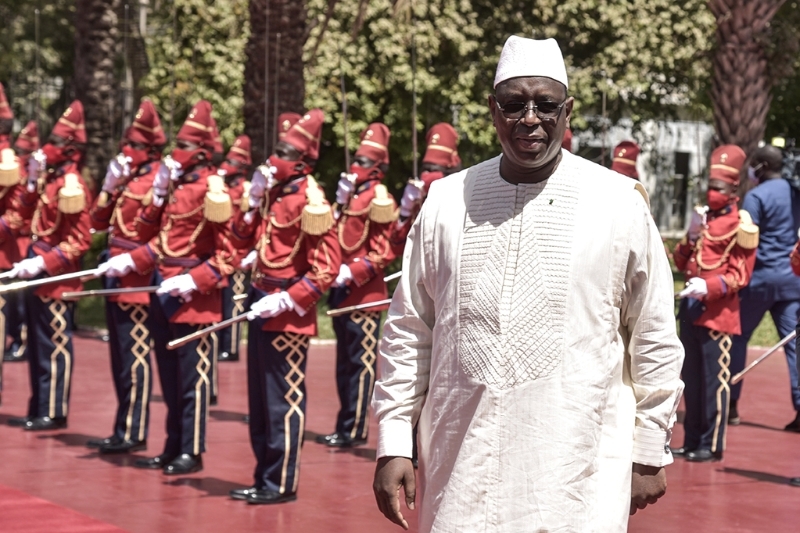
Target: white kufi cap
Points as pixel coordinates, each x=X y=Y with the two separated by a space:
x=524 y=58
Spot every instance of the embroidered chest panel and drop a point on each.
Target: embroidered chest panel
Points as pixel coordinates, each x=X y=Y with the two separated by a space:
x=513 y=279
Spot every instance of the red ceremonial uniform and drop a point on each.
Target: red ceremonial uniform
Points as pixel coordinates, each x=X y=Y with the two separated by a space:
x=27 y=142
x=724 y=255
x=5 y=114
x=365 y=225
x=624 y=162
x=297 y=249
x=442 y=151
x=120 y=212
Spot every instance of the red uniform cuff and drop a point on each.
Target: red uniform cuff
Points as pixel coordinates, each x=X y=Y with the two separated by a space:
x=304 y=293
x=144 y=259
x=716 y=288
x=207 y=278
x=55 y=262
x=362 y=271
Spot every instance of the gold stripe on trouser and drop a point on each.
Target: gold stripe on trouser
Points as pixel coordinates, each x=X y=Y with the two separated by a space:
x=59 y=340
x=724 y=342
x=204 y=347
x=141 y=347
x=295 y=344
x=239 y=278
x=369 y=325
x=214 y=363
x=23 y=337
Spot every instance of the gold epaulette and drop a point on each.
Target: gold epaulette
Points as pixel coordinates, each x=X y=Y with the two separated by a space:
x=747 y=236
x=9 y=169
x=317 y=217
x=382 y=209
x=71 y=198
x=148 y=198
x=244 y=203
x=218 y=206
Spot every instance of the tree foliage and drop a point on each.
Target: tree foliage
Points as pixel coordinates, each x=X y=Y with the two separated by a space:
x=196 y=51
x=650 y=57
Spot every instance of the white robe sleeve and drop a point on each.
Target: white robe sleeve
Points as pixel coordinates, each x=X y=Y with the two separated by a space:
x=654 y=350
x=404 y=359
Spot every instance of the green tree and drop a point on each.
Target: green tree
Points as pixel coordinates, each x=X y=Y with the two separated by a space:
x=784 y=69
x=196 y=51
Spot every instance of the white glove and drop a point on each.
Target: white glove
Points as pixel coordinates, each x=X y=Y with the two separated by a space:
x=29 y=268
x=36 y=163
x=249 y=259
x=161 y=181
x=345 y=189
x=117 y=266
x=695 y=288
x=261 y=183
x=116 y=171
x=697 y=222
x=344 y=276
x=181 y=285
x=412 y=194
x=271 y=305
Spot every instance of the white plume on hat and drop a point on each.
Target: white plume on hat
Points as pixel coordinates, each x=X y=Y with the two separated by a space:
x=523 y=58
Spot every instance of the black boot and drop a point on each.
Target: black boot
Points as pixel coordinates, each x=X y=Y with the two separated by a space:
x=733 y=414
x=794 y=425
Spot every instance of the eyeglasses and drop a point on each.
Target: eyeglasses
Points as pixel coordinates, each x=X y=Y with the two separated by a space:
x=546 y=111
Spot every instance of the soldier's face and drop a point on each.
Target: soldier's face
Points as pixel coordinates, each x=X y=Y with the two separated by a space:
x=287 y=152
x=728 y=189
x=364 y=161
x=530 y=138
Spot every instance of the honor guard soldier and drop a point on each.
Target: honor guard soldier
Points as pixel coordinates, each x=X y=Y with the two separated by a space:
x=441 y=159
x=297 y=259
x=27 y=142
x=717 y=257
x=234 y=170
x=56 y=201
x=126 y=192
x=625 y=155
x=191 y=258
x=364 y=226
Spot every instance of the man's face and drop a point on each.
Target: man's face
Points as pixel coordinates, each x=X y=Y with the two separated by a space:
x=363 y=161
x=728 y=189
x=528 y=140
x=287 y=152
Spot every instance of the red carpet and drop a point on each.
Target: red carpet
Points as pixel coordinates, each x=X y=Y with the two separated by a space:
x=56 y=484
x=21 y=512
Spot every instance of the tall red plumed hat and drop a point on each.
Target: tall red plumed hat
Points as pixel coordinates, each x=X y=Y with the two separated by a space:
x=625 y=155
x=726 y=163
x=146 y=127
x=240 y=151
x=70 y=125
x=5 y=108
x=286 y=121
x=305 y=133
x=198 y=127
x=375 y=142
x=442 y=150
x=28 y=138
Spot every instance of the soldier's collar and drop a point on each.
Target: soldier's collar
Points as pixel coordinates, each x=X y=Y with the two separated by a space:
x=292 y=186
x=721 y=212
x=365 y=186
x=144 y=169
x=190 y=177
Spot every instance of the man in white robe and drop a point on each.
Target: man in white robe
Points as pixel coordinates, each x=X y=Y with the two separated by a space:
x=532 y=334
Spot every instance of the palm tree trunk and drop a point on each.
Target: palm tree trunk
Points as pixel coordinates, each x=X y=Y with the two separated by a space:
x=287 y=18
x=741 y=84
x=96 y=39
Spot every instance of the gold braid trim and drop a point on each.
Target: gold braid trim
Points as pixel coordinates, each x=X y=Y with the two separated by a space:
x=286 y=262
x=117 y=215
x=37 y=215
x=317 y=218
x=722 y=260
x=381 y=208
x=217 y=203
x=4 y=191
x=9 y=168
x=361 y=239
x=71 y=198
x=164 y=236
x=747 y=232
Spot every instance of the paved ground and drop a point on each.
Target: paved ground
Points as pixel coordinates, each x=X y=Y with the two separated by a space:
x=747 y=492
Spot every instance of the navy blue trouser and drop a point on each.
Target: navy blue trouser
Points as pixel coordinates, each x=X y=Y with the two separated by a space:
x=357 y=337
x=129 y=347
x=706 y=374
x=276 y=391
x=185 y=383
x=50 y=355
x=229 y=338
x=785 y=315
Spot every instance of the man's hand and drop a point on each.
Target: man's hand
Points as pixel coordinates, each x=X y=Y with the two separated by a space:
x=648 y=484
x=695 y=288
x=390 y=474
x=345 y=275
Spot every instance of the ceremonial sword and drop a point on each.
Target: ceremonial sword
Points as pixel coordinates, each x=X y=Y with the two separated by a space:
x=108 y=292
x=20 y=285
x=788 y=338
x=350 y=309
x=177 y=343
